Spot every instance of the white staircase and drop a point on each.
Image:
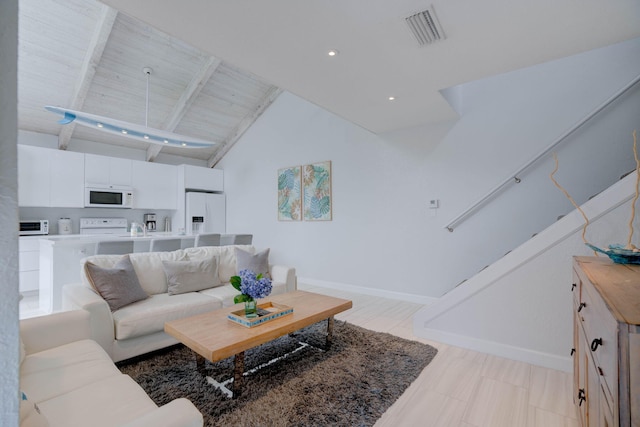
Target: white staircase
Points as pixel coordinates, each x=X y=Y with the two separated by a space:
x=519 y=307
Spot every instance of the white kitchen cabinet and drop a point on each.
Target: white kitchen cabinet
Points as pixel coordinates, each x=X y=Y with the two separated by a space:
x=107 y=171
x=155 y=185
x=29 y=263
x=50 y=178
x=67 y=179
x=202 y=179
x=33 y=176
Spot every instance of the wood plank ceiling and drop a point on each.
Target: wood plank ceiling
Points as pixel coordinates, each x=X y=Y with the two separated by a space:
x=83 y=55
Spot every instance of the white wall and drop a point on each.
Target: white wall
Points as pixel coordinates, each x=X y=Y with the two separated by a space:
x=8 y=214
x=383 y=237
x=520 y=307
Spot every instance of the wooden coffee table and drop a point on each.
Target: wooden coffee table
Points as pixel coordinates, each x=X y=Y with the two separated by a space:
x=212 y=336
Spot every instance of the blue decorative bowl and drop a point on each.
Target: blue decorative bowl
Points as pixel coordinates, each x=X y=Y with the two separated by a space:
x=619 y=254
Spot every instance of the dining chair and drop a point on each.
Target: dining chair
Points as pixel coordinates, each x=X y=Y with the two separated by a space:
x=165 y=245
x=208 y=239
x=114 y=247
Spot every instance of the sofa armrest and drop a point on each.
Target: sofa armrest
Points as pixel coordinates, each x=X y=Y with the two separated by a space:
x=75 y=296
x=53 y=330
x=281 y=273
x=177 y=413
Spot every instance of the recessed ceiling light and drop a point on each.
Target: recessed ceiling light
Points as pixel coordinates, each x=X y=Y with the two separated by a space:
x=99 y=125
x=124 y=131
x=392 y=98
x=146 y=136
x=333 y=52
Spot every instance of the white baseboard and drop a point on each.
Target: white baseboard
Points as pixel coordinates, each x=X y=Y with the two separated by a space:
x=418 y=299
x=533 y=357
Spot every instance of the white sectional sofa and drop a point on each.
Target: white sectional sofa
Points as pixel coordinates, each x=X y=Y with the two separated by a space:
x=73 y=382
x=138 y=328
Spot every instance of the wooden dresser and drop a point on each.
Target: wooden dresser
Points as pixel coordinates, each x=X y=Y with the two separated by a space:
x=606 y=307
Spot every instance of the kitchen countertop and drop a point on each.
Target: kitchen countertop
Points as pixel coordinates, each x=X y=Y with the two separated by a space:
x=92 y=238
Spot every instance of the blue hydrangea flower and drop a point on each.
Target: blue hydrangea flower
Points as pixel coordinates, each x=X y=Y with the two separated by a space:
x=253 y=287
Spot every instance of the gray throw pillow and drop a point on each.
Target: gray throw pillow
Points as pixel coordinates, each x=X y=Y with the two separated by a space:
x=118 y=286
x=258 y=263
x=191 y=276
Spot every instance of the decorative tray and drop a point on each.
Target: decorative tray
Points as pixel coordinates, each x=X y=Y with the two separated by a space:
x=266 y=312
x=619 y=254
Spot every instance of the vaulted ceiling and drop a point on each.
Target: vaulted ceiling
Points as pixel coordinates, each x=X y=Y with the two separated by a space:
x=218 y=64
x=84 y=55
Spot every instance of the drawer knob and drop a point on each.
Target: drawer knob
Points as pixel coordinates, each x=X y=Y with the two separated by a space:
x=573 y=350
x=595 y=343
x=581 y=396
x=573 y=286
x=581 y=306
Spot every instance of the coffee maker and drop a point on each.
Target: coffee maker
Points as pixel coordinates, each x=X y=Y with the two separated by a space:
x=150 y=221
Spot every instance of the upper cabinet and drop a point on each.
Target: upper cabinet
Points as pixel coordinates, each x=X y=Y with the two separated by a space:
x=50 y=178
x=107 y=171
x=203 y=179
x=57 y=178
x=155 y=185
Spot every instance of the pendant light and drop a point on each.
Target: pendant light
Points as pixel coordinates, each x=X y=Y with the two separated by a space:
x=130 y=130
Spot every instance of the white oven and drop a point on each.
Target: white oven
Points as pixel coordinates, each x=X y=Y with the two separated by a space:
x=107 y=197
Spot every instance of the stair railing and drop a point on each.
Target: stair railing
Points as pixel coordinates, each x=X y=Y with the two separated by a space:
x=514 y=177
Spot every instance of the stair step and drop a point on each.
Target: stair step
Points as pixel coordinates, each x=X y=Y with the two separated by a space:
x=624 y=175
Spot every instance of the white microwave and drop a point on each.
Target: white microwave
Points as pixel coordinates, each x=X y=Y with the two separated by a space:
x=107 y=197
x=34 y=228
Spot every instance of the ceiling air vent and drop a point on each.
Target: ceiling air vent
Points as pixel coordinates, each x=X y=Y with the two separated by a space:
x=425 y=27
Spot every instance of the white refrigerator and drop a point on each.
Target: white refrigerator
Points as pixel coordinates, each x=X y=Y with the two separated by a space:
x=205 y=213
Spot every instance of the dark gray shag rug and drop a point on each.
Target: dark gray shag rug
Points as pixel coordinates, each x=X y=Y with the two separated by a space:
x=352 y=384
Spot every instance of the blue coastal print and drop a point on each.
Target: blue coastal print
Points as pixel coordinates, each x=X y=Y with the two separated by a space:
x=316 y=180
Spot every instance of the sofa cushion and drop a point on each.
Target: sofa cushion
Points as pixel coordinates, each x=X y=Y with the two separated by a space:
x=56 y=371
x=256 y=262
x=118 y=286
x=226 y=256
x=148 y=266
x=191 y=276
x=148 y=316
x=30 y=415
x=110 y=402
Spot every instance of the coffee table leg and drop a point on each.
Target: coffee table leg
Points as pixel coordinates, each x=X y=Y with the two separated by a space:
x=238 y=370
x=329 y=332
x=200 y=363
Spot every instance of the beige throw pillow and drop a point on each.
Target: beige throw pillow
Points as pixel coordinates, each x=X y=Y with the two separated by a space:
x=191 y=276
x=258 y=263
x=118 y=286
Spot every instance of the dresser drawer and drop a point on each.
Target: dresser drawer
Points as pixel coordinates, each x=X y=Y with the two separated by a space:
x=601 y=332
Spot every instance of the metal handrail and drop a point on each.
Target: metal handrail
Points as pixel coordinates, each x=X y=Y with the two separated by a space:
x=513 y=178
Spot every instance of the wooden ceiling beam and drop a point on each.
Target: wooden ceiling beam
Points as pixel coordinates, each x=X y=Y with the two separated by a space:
x=88 y=70
x=185 y=101
x=245 y=124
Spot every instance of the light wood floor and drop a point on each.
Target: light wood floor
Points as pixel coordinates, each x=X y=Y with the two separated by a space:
x=463 y=387
x=459 y=388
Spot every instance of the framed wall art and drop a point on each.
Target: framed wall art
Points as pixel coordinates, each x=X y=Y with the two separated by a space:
x=289 y=194
x=316 y=184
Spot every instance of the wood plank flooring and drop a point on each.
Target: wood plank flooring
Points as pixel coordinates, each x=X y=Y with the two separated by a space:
x=460 y=387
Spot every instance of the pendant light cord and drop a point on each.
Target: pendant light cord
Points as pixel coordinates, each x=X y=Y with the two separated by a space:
x=147 y=72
